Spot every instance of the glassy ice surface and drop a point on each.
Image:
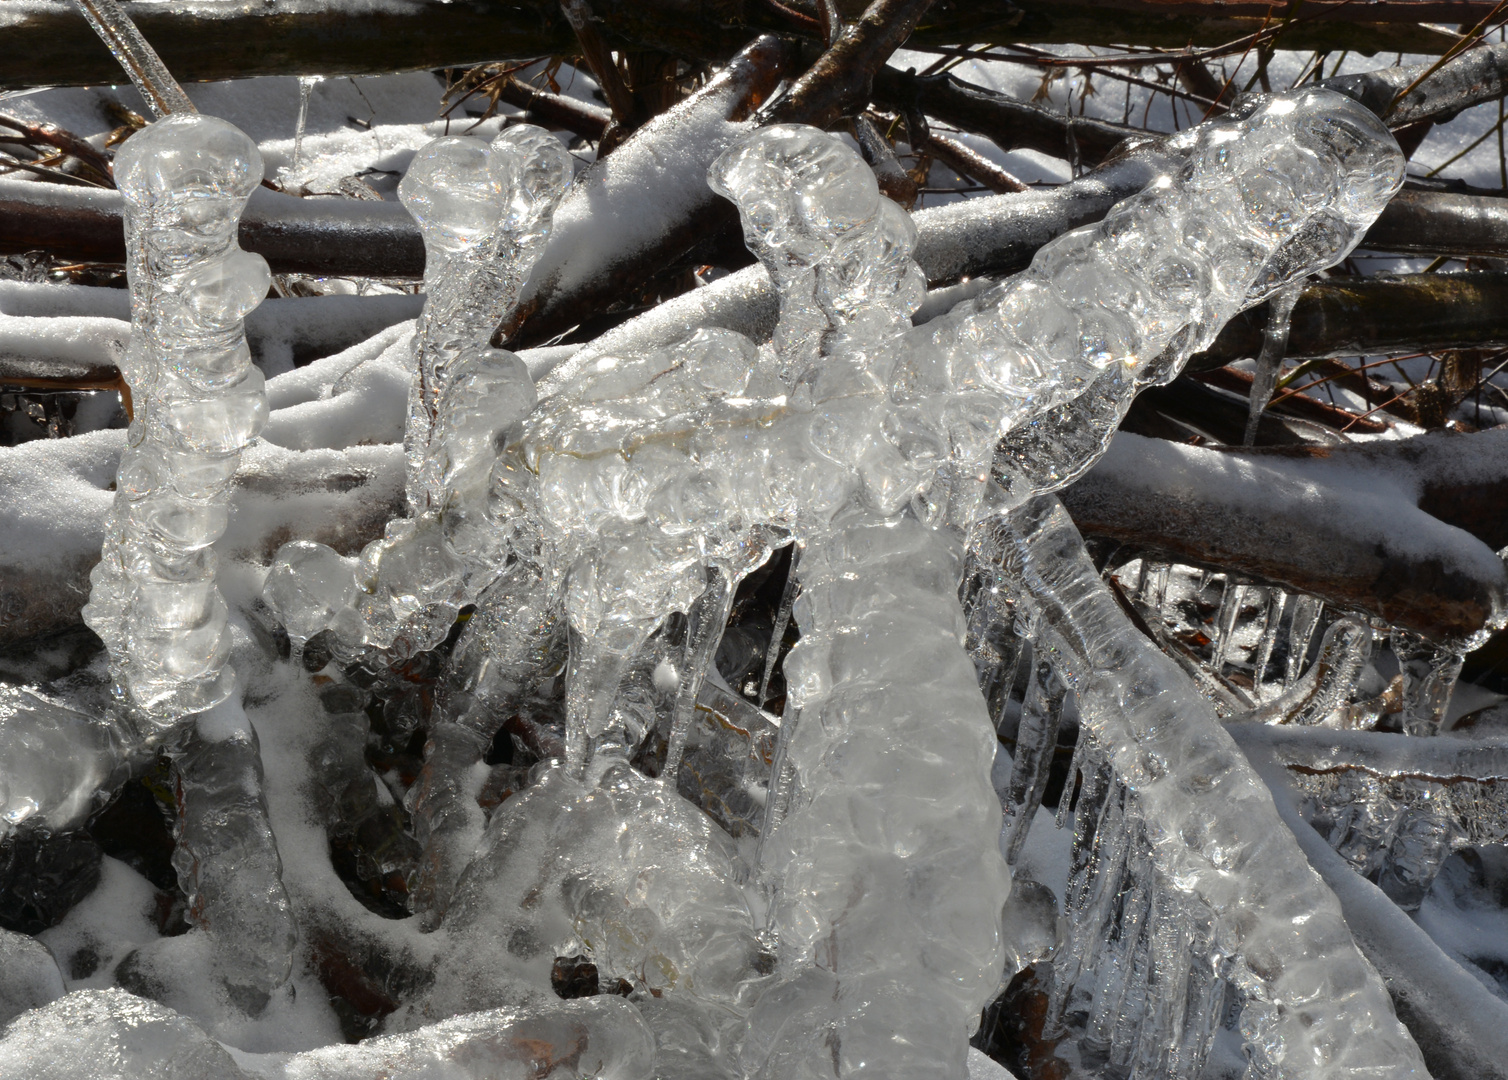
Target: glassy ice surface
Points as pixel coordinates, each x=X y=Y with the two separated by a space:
x=54 y=761
x=197 y=399
x=31 y=978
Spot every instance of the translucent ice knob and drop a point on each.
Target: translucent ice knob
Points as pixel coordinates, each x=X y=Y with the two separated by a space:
x=453 y=190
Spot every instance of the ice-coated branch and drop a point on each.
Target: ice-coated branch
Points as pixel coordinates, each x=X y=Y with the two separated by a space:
x=198 y=401
x=1315 y=1000
x=112 y=1032
x=227 y=858
x=140 y=60
x=1398 y=544
x=1381 y=754
x=1460 y=1025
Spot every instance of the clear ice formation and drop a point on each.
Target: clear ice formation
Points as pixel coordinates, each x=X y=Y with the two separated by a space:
x=228 y=865
x=585 y=520
x=32 y=978
x=56 y=764
x=485 y=211
x=198 y=400
x=641 y=881
x=1314 y=1006
x=647 y=469
x=888 y=878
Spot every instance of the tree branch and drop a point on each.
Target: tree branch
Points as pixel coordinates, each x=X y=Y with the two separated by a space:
x=839 y=83
x=1340 y=526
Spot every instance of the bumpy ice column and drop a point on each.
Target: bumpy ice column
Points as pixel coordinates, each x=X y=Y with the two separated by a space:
x=889 y=878
x=1280 y=187
x=198 y=400
x=485 y=212
x=1315 y=1006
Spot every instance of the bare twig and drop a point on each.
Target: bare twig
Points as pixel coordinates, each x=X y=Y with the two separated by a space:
x=1009 y=123
x=599 y=58
x=839 y=83
x=967 y=162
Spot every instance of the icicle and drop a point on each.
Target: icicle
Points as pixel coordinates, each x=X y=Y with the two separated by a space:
x=1076 y=766
x=597 y=665
x=1329 y=684
x=708 y=618
x=198 y=401
x=1304 y=619
x=1267 y=642
x=992 y=637
x=1231 y=599
x=306 y=85
x=158 y=87
x=485 y=211
x=782 y=623
x=1429 y=675
x=1036 y=739
x=1153 y=589
x=1270 y=359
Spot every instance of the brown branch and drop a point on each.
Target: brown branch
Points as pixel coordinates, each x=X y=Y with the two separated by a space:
x=554 y=110
x=895 y=183
x=1329 y=522
x=1361 y=317
x=296 y=236
x=51 y=45
x=1009 y=123
x=66 y=141
x=969 y=163
x=839 y=83
x=626 y=111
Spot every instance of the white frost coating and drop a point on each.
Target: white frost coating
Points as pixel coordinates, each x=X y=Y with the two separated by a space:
x=198 y=400
x=485 y=211
x=111 y=1035
x=1315 y=1007
x=601 y=1037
